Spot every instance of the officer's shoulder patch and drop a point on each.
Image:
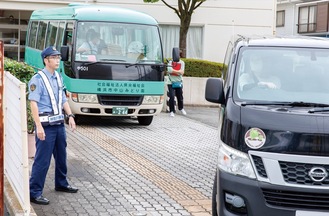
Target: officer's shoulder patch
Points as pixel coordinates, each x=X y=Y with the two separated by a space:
x=33 y=87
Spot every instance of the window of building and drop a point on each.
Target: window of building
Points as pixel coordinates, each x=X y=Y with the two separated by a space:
x=13 y=25
x=280 y=16
x=307 y=19
x=170 y=39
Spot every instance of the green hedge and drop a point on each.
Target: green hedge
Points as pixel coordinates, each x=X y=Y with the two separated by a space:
x=24 y=73
x=20 y=70
x=202 y=68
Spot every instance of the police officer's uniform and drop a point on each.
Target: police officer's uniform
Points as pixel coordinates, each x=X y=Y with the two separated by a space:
x=55 y=140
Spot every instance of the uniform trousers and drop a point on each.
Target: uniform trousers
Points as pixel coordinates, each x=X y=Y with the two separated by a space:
x=54 y=144
x=178 y=92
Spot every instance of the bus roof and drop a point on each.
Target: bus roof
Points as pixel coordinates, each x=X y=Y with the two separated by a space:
x=88 y=12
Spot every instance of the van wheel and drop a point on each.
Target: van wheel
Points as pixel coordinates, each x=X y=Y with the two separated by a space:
x=214 y=194
x=145 y=120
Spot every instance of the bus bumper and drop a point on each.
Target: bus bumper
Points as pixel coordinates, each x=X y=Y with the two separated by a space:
x=100 y=110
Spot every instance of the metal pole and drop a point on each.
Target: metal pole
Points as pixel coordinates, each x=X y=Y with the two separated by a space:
x=1 y=129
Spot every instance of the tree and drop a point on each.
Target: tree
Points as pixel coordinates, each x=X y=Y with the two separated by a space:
x=184 y=11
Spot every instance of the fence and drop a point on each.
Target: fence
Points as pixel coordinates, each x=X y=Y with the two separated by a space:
x=16 y=146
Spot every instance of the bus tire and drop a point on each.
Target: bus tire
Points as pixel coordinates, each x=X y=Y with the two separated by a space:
x=214 y=195
x=145 y=120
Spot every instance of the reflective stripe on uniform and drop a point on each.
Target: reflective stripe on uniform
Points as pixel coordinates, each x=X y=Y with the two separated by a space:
x=57 y=108
x=43 y=118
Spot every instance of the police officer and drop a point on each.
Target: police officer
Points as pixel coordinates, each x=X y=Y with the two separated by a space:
x=47 y=100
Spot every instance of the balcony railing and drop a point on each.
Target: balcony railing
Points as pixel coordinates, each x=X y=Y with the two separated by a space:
x=306 y=27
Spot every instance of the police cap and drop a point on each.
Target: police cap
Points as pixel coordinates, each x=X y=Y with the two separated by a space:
x=49 y=51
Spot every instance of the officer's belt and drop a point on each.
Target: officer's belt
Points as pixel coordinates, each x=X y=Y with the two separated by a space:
x=50 y=119
x=44 y=118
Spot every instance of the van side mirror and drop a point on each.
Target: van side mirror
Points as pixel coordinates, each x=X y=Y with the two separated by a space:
x=215 y=91
x=175 y=54
x=65 y=53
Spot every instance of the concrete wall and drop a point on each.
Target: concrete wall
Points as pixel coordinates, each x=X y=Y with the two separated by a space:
x=193 y=93
x=291 y=16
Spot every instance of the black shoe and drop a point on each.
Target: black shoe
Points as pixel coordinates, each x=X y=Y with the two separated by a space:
x=68 y=189
x=40 y=200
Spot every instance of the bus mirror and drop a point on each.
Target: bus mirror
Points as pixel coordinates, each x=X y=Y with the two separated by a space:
x=175 y=54
x=65 y=53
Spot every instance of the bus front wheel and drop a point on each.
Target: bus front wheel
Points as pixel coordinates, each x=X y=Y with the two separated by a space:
x=145 y=120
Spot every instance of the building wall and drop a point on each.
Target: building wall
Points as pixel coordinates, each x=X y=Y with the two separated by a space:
x=289 y=27
x=220 y=19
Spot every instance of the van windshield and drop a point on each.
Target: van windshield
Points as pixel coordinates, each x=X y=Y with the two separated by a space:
x=282 y=74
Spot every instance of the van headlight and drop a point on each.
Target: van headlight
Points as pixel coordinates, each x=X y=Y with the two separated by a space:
x=87 y=98
x=151 y=99
x=235 y=162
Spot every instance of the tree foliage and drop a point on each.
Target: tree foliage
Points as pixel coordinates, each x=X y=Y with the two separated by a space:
x=184 y=11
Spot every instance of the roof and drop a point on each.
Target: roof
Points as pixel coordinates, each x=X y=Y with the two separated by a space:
x=289 y=41
x=88 y=12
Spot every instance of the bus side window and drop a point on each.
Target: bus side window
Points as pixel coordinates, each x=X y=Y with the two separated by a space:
x=51 y=33
x=41 y=35
x=67 y=37
x=60 y=35
x=33 y=34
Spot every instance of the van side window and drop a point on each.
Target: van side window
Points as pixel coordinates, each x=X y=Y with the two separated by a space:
x=226 y=65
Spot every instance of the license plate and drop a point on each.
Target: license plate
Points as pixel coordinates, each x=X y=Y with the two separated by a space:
x=310 y=213
x=120 y=110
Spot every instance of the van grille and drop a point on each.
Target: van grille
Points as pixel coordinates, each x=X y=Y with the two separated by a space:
x=297 y=173
x=259 y=166
x=296 y=200
x=119 y=100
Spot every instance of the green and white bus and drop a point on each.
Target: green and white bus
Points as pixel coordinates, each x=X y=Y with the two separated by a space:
x=103 y=77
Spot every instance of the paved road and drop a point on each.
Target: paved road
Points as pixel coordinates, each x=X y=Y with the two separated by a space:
x=122 y=168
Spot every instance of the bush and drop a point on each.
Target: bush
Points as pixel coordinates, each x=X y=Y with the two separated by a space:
x=24 y=73
x=202 y=68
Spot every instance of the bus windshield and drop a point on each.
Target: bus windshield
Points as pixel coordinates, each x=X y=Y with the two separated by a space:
x=117 y=42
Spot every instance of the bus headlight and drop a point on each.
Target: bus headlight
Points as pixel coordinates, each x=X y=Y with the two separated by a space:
x=151 y=99
x=87 y=98
x=235 y=162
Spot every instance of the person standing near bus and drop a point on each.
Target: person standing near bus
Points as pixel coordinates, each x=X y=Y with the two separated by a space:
x=47 y=100
x=175 y=85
